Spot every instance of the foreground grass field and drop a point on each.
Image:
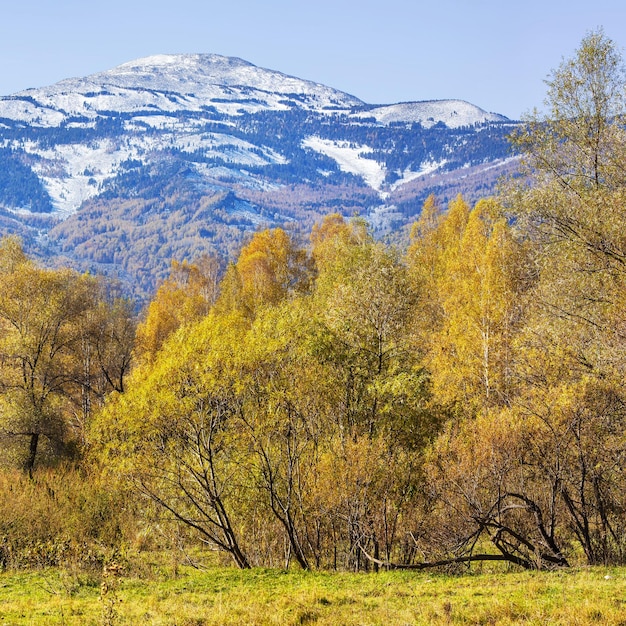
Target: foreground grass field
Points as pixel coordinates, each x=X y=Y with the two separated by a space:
x=229 y=596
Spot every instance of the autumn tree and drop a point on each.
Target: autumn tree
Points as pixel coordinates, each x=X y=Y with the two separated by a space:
x=488 y=505
x=334 y=236
x=286 y=416
x=269 y=268
x=435 y=239
x=62 y=345
x=540 y=481
x=538 y=476
x=578 y=145
x=175 y=435
x=184 y=297
x=287 y=425
x=364 y=304
x=481 y=292
x=572 y=209
x=470 y=274
x=102 y=353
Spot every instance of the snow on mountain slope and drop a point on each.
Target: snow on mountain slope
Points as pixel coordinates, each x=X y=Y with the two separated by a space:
x=193 y=82
x=453 y=113
x=171 y=156
x=165 y=106
x=73 y=173
x=406 y=176
x=173 y=83
x=178 y=72
x=83 y=169
x=22 y=109
x=350 y=159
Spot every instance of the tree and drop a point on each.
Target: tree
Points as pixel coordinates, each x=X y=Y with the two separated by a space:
x=365 y=303
x=541 y=480
x=579 y=144
x=574 y=160
x=486 y=495
x=363 y=307
x=481 y=292
x=186 y=296
x=40 y=310
x=176 y=434
x=331 y=238
x=103 y=353
x=61 y=346
x=470 y=274
x=435 y=238
x=538 y=475
x=269 y=268
x=286 y=419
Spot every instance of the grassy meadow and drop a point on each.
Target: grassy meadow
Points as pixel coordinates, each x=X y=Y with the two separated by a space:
x=229 y=596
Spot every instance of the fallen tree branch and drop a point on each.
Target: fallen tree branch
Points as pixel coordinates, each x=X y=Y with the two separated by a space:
x=427 y=565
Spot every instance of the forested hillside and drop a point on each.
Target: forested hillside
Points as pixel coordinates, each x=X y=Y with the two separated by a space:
x=343 y=404
x=174 y=156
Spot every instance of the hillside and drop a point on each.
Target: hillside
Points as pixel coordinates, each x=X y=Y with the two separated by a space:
x=175 y=155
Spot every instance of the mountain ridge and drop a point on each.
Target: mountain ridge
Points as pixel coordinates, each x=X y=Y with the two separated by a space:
x=246 y=146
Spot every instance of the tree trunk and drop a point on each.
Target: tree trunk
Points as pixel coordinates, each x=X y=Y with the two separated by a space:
x=32 y=454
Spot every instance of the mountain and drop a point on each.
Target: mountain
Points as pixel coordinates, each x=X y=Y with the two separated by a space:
x=172 y=156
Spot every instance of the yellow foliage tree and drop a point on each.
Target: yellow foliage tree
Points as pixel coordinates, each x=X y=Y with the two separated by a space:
x=186 y=296
x=63 y=345
x=480 y=289
x=269 y=268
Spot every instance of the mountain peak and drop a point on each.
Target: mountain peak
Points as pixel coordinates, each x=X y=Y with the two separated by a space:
x=190 y=73
x=452 y=113
x=170 y=83
x=209 y=66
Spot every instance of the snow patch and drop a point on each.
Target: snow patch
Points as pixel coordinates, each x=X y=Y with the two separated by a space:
x=428 y=167
x=349 y=157
x=382 y=217
x=501 y=162
x=73 y=173
x=240 y=176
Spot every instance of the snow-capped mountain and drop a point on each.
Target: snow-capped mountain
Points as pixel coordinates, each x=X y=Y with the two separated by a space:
x=249 y=145
x=171 y=84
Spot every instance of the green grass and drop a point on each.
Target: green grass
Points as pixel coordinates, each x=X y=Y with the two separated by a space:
x=230 y=596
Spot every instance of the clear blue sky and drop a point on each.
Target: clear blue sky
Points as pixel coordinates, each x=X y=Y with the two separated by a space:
x=493 y=54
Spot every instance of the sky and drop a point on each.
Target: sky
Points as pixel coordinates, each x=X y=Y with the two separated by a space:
x=494 y=54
